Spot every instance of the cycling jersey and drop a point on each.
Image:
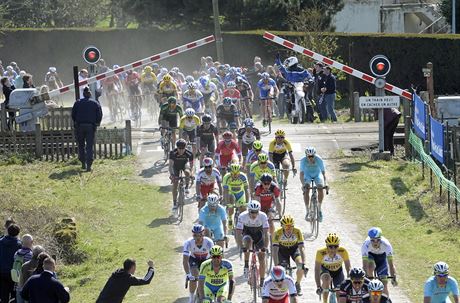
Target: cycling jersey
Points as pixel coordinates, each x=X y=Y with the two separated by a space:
x=170 y=115
x=193 y=100
x=228 y=114
x=255 y=171
x=207 y=182
x=148 y=78
x=266 y=197
x=266 y=88
x=232 y=93
x=352 y=295
x=244 y=89
x=189 y=125
x=133 y=79
x=293 y=75
x=208 y=89
x=385 y=248
x=199 y=253
x=213 y=220
x=311 y=170
x=440 y=294
x=235 y=185
x=252 y=156
x=276 y=294
x=291 y=241
x=332 y=263
x=248 y=137
x=167 y=88
x=281 y=149
x=207 y=134
x=215 y=282
x=226 y=152
x=180 y=161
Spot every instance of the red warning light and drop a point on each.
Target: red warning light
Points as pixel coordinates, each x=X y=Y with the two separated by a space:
x=92 y=55
x=380 y=66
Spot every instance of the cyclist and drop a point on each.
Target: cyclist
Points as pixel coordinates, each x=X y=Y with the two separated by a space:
x=232 y=93
x=267 y=92
x=353 y=289
x=192 y=98
x=210 y=94
x=278 y=150
x=149 y=80
x=247 y=96
x=258 y=168
x=288 y=243
x=168 y=116
x=252 y=231
x=206 y=180
x=268 y=193
x=236 y=193
x=214 y=218
x=196 y=251
x=376 y=294
x=208 y=135
x=180 y=159
x=133 y=83
x=227 y=151
x=52 y=79
x=377 y=255
x=279 y=287
x=440 y=285
x=253 y=154
x=189 y=79
x=216 y=278
x=227 y=114
x=188 y=125
x=328 y=265
x=312 y=168
x=167 y=88
x=247 y=135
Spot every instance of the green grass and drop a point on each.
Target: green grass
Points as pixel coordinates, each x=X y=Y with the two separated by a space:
x=118 y=216
x=393 y=196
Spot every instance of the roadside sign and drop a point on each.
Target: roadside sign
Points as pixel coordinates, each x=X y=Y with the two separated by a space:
x=379 y=102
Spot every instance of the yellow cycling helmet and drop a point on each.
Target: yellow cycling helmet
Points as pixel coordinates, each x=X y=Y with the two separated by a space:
x=148 y=69
x=280 y=133
x=287 y=220
x=257 y=145
x=332 y=239
x=235 y=168
x=216 y=250
x=167 y=78
x=262 y=158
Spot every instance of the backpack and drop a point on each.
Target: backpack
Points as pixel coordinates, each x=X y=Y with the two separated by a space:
x=17 y=267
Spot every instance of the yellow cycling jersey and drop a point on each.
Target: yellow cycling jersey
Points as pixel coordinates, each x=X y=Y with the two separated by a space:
x=167 y=88
x=210 y=276
x=282 y=240
x=332 y=263
x=256 y=171
x=148 y=77
x=189 y=124
x=282 y=148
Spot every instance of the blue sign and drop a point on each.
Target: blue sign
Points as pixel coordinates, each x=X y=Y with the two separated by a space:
x=419 y=117
x=437 y=140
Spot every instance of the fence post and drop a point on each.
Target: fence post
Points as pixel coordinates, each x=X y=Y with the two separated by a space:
x=407 y=146
x=129 y=141
x=38 y=141
x=3 y=115
x=356 y=109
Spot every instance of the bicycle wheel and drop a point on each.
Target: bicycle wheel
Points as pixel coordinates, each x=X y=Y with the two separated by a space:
x=254 y=282
x=180 y=202
x=332 y=297
x=315 y=221
x=283 y=209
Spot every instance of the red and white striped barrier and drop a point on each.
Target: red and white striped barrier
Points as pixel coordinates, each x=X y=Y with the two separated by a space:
x=335 y=64
x=140 y=63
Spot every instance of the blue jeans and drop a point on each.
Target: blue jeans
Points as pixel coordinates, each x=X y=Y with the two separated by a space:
x=329 y=99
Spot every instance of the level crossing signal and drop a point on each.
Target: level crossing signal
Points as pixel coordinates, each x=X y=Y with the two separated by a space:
x=380 y=66
x=91 y=54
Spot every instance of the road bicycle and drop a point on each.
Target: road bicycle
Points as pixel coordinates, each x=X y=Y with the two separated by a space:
x=314 y=211
x=279 y=174
x=290 y=269
x=179 y=211
x=149 y=97
x=136 y=109
x=332 y=294
x=268 y=112
x=166 y=141
x=253 y=274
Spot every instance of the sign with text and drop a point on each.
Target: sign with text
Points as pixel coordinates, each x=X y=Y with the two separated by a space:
x=437 y=140
x=379 y=102
x=419 y=117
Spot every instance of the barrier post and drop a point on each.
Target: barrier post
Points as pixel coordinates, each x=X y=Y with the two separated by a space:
x=356 y=109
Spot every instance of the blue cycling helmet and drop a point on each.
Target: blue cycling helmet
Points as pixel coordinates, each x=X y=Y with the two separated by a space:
x=278 y=273
x=232 y=71
x=203 y=81
x=374 y=232
x=265 y=76
x=212 y=70
x=197 y=228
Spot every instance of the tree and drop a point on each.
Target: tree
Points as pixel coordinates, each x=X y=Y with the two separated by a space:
x=446 y=10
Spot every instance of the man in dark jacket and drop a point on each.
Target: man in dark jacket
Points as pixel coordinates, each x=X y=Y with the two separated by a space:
x=390 y=120
x=121 y=280
x=87 y=116
x=45 y=288
x=8 y=247
x=7 y=88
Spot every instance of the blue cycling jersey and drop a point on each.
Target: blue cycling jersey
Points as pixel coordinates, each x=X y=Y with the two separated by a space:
x=311 y=170
x=213 y=220
x=440 y=294
x=293 y=76
x=265 y=88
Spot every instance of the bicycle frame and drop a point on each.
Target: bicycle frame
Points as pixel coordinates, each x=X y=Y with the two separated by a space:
x=253 y=278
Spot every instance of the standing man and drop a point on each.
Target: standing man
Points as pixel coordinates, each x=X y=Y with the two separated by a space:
x=121 y=280
x=328 y=89
x=87 y=116
x=9 y=244
x=45 y=288
x=390 y=121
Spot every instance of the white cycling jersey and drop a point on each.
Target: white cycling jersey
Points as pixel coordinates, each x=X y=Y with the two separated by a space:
x=384 y=248
x=198 y=252
x=203 y=178
x=270 y=289
x=208 y=89
x=245 y=220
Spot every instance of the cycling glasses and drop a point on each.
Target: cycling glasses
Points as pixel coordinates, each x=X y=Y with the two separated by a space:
x=216 y=257
x=278 y=281
x=257 y=150
x=279 y=137
x=375 y=292
x=262 y=163
x=310 y=156
x=267 y=183
x=357 y=281
x=253 y=211
x=442 y=275
x=376 y=240
x=332 y=246
x=197 y=235
x=210 y=166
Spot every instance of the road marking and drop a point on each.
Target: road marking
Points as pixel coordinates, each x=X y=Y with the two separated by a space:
x=158 y=149
x=335 y=143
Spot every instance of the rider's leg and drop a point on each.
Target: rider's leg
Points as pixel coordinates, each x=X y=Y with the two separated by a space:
x=261 y=256
x=299 y=271
x=247 y=244
x=325 y=284
x=174 y=191
x=286 y=164
x=306 y=198
x=269 y=109
x=193 y=284
x=187 y=177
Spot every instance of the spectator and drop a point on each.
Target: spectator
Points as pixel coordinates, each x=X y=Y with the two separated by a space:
x=82 y=75
x=41 y=258
x=2 y=69
x=28 y=81
x=328 y=89
x=7 y=88
x=390 y=120
x=121 y=280
x=8 y=247
x=49 y=103
x=203 y=66
x=8 y=222
x=29 y=267
x=45 y=288
x=22 y=256
x=10 y=73
x=18 y=82
x=15 y=67
x=52 y=79
x=318 y=74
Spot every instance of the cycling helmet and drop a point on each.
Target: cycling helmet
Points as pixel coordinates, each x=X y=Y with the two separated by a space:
x=278 y=273
x=216 y=250
x=148 y=69
x=231 y=84
x=265 y=76
x=172 y=100
x=357 y=273
x=181 y=143
x=129 y=72
x=175 y=69
x=203 y=81
x=375 y=285
x=287 y=220
x=164 y=70
x=374 y=233
x=212 y=71
x=206 y=118
x=208 y=162
x=291 y=61
x=189 y=79
x=232 y=71
x=235 y=168
x=266 y=177
x=441 y=268
x=197 y=228
x=191 y=85
x=115 y=66
x=257 y=145
x=262 y=158
x=332 y=239
x=227 y=135
x=189 y=112
x=213 y=200
x=155 y=65
x=254 y=205
x=227 y=101
x=239 y=80
x=310 y=151
x=232 y=125
x=9 y=67
x=248 y=122
x=167 y=78
x=52 y=69
x=280 y=133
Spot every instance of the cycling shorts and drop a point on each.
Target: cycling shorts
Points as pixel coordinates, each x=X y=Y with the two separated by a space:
x=208 y=145
x=239 y=199
x=337 y=276
x=205 y=190
x=177 y=170
x=381 y=264
x=215 y=291
x=318 y=181
x=256 y=237
x=225 y=160
x=194 y=262
x=284 y=254
x=283 y=300
x=191 y=134
x=278 y=158
x=171 y=121
x=245 y=148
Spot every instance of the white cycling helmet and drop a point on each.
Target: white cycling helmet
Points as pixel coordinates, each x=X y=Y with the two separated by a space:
x=375 y=285
x=231 y=84
x=310 y=151
x=213 y=200
x=189 y=112
x=52 y=69
x=441 y=268
x=189 y=79
x=254 y=205
x=291 y=61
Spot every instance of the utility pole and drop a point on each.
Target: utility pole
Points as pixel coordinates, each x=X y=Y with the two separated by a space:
x=218 y=34
x=454 y=17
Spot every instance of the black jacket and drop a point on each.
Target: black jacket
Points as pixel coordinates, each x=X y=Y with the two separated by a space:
x=119 y=283
x=44 y=288
x=87 y=111
x=8 y=247
x=7 y=92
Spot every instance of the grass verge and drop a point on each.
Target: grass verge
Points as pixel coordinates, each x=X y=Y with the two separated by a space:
x=117 y=217
x=394 y=196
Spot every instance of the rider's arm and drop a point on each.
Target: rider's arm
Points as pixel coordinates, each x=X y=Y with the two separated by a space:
x=197 y=189
x=201 y=288
x=302 y=253
x=302 y=178
x=291 y=155
x=317 y=273
x=347 y=267
x=392 y=267
x=171 y=167
x=231 y=288
x=185 y=264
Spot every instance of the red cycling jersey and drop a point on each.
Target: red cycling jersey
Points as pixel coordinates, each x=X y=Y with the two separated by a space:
x=266 y=197
x=227 y=152
x=234 y=95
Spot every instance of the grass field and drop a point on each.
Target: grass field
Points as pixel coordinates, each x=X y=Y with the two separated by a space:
x=117 y=217
x=393 y=196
